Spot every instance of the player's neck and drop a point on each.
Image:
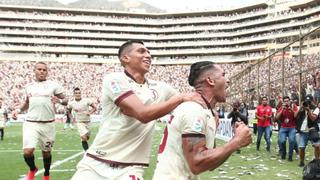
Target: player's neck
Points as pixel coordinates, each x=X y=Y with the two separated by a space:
x=78 y=99
x=40 y=80
x=137 y=77
x=207 y=96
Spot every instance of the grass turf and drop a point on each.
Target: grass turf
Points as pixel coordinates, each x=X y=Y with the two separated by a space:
x=248 y=165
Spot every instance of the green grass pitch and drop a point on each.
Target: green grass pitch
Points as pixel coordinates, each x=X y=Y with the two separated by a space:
x=249 y=165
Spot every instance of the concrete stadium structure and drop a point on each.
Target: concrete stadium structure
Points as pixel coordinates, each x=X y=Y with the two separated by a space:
x=226 y=36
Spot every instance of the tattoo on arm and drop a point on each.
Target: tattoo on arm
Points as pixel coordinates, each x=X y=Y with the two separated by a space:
x=195 y=145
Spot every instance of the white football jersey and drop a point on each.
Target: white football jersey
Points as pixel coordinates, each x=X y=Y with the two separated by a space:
x=40 y=106
x=80 y=109
x=188 y=119
x=3 y=111
x=123 y=139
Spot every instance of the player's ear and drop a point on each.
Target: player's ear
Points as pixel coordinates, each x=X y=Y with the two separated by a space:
x=210 y=81
x=125 y=59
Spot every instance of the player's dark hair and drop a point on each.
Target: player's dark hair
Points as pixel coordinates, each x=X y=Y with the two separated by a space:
x=197 y=69
x=76 y=89
x=127 y=45
x=40 y=62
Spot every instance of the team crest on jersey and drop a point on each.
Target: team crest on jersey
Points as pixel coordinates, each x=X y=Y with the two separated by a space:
x=115 y=87
x=198 y=125
x=155 y=94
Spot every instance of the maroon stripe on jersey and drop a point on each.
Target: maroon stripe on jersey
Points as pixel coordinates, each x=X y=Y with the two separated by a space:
x=123 y=96
x=165 y=137
x=192 y=135
x=116 y=164
x=164 y=141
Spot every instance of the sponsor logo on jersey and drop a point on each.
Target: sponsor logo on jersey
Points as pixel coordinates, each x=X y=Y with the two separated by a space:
x=155 y=94
x=115 y=87
x=198 y=125
x=102 y=153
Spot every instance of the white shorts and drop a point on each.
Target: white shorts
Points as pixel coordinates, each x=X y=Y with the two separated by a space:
x=89 y=168
x=38 y=133
x=2 y=124
x=83 y=128
x=173 y=172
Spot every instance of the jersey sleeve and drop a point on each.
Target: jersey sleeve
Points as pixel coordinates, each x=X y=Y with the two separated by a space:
x=193 y=122
x=90 y=102
x=169 y=91
x=69 y=106
x=116 y=88
x=58 y=89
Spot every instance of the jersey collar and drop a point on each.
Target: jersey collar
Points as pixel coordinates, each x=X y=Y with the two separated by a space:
x=131 y=77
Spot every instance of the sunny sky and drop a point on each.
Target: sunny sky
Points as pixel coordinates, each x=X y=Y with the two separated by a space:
x=176 y=5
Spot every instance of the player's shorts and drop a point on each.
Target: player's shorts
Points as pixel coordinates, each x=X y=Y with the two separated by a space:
x=38 y=133
x=89 y=168
x=83 y=128
x=173 y=171
x=2 y=124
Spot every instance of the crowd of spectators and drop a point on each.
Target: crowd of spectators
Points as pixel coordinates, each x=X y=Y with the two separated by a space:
x=14 y=75
x=256 y=78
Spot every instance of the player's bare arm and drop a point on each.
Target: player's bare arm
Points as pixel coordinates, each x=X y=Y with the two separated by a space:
x=132 y=106
x=93 y=108
x=24 y=107
x=201 y=159
x=60 y=98
x=6 y=117
x=69 y=111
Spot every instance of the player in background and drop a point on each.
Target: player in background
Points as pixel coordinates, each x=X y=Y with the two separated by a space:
x=80 y=110
x=3 y=118
x=39 y=127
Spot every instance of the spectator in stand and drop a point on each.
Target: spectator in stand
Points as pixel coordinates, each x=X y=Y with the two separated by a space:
x=317 y=87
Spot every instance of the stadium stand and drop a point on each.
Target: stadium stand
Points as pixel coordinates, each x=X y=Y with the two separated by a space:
x=81 y=44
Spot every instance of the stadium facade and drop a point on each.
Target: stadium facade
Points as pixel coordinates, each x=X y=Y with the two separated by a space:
x=243 y=34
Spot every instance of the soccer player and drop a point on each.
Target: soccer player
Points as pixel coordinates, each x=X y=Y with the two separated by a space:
x=130 y=104
x=68 y=123
x=3 y=118
x=187 y=146
x=81 y=111
x=39 y=128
